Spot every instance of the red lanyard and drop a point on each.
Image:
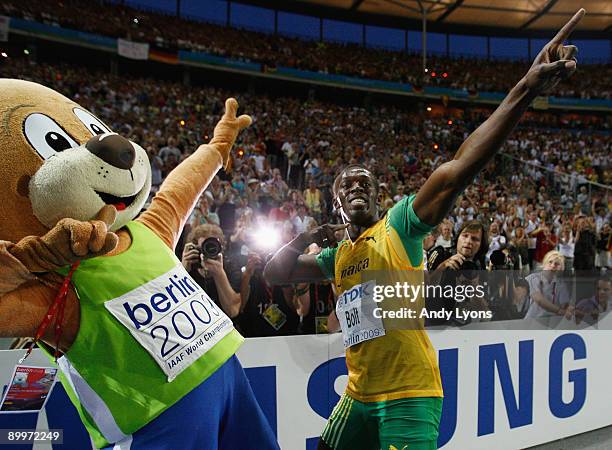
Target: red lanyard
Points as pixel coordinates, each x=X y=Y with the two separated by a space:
x=55 y=311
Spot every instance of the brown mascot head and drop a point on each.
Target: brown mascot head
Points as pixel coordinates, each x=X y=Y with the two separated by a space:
x=60 y=161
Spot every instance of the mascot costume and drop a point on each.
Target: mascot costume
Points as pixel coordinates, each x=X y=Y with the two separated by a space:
x=144 y=354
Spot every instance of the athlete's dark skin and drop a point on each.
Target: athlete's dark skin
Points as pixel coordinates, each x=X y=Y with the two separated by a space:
x=437 y=196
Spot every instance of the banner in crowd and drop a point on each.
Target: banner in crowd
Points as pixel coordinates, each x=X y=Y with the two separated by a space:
x=4 y=28
x=132 y=50
x=503 y=389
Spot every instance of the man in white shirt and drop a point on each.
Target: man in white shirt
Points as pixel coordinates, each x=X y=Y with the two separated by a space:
x=445 y=239
x=496 y=240
x=301 y=219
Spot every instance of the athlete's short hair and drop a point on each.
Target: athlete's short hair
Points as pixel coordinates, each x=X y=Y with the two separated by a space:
x=353 y=166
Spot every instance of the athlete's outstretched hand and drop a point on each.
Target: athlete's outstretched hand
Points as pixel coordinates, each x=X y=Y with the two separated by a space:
x=555 y=61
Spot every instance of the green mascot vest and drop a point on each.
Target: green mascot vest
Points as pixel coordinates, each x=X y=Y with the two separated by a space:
x=148 y=336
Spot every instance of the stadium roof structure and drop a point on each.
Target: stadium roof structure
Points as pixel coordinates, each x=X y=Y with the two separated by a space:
x=527 y=18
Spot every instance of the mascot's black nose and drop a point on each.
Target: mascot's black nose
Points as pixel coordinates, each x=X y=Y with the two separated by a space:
x=113 y=149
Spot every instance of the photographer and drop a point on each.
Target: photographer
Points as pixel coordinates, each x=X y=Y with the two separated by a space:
x=507 y=292
x=203 y=259
x=458 y=265
x=265 y=310
x=468 y=250
x=315 y=302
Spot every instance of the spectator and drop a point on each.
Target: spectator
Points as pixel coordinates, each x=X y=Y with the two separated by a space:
x=170 y=149
x=496 y=240
x=549 y=294
x=590 y=309
x=585 y=245
x=428 y=243
x=604 y=241
x=545 y=242
x=302 y=220
x=520 y=241
x=513 y=305
x=314 y=303
x=532 y=227
x=566 y=247
x=202 y=215
x=156 y=169
x=445 y=239
x=266 y=311
x=313 y=199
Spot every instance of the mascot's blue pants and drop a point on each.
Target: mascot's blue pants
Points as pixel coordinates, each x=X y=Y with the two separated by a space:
x=220 y=414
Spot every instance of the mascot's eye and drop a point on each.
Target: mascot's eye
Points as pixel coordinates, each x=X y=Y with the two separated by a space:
x=94 y=125
x=56 y=141
x=46 y=136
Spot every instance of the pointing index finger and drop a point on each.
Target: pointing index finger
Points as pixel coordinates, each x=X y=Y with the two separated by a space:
x=567 y=29
x=231 y=107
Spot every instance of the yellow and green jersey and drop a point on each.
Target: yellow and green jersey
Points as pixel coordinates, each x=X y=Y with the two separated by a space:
x=403 y=362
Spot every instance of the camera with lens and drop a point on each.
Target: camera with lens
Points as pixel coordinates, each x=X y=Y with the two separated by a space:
x=469 y=269
x=211 y=248
x=498 y=259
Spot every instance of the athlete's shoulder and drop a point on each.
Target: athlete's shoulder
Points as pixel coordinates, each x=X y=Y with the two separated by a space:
x=400 y=209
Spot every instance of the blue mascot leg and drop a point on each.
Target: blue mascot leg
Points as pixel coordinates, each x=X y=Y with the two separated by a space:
x=244 y=425
x=193 y=423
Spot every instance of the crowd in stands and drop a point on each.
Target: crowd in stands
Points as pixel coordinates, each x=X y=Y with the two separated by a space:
x=534 y=198
x=275 y=50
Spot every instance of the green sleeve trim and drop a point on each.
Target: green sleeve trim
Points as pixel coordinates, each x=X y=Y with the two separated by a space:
x=410 y=228
x=327 y=261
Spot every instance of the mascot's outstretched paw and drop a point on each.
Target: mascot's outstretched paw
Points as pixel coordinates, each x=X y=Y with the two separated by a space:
x=228 y=128
x=68 y=242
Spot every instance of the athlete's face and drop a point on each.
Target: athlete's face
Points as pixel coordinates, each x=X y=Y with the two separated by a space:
x=356 y=191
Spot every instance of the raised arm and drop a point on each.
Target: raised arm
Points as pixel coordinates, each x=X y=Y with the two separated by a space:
x=177 y=196
x=554 y=63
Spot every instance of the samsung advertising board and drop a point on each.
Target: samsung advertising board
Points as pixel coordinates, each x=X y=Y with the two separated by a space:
x=503 y=389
